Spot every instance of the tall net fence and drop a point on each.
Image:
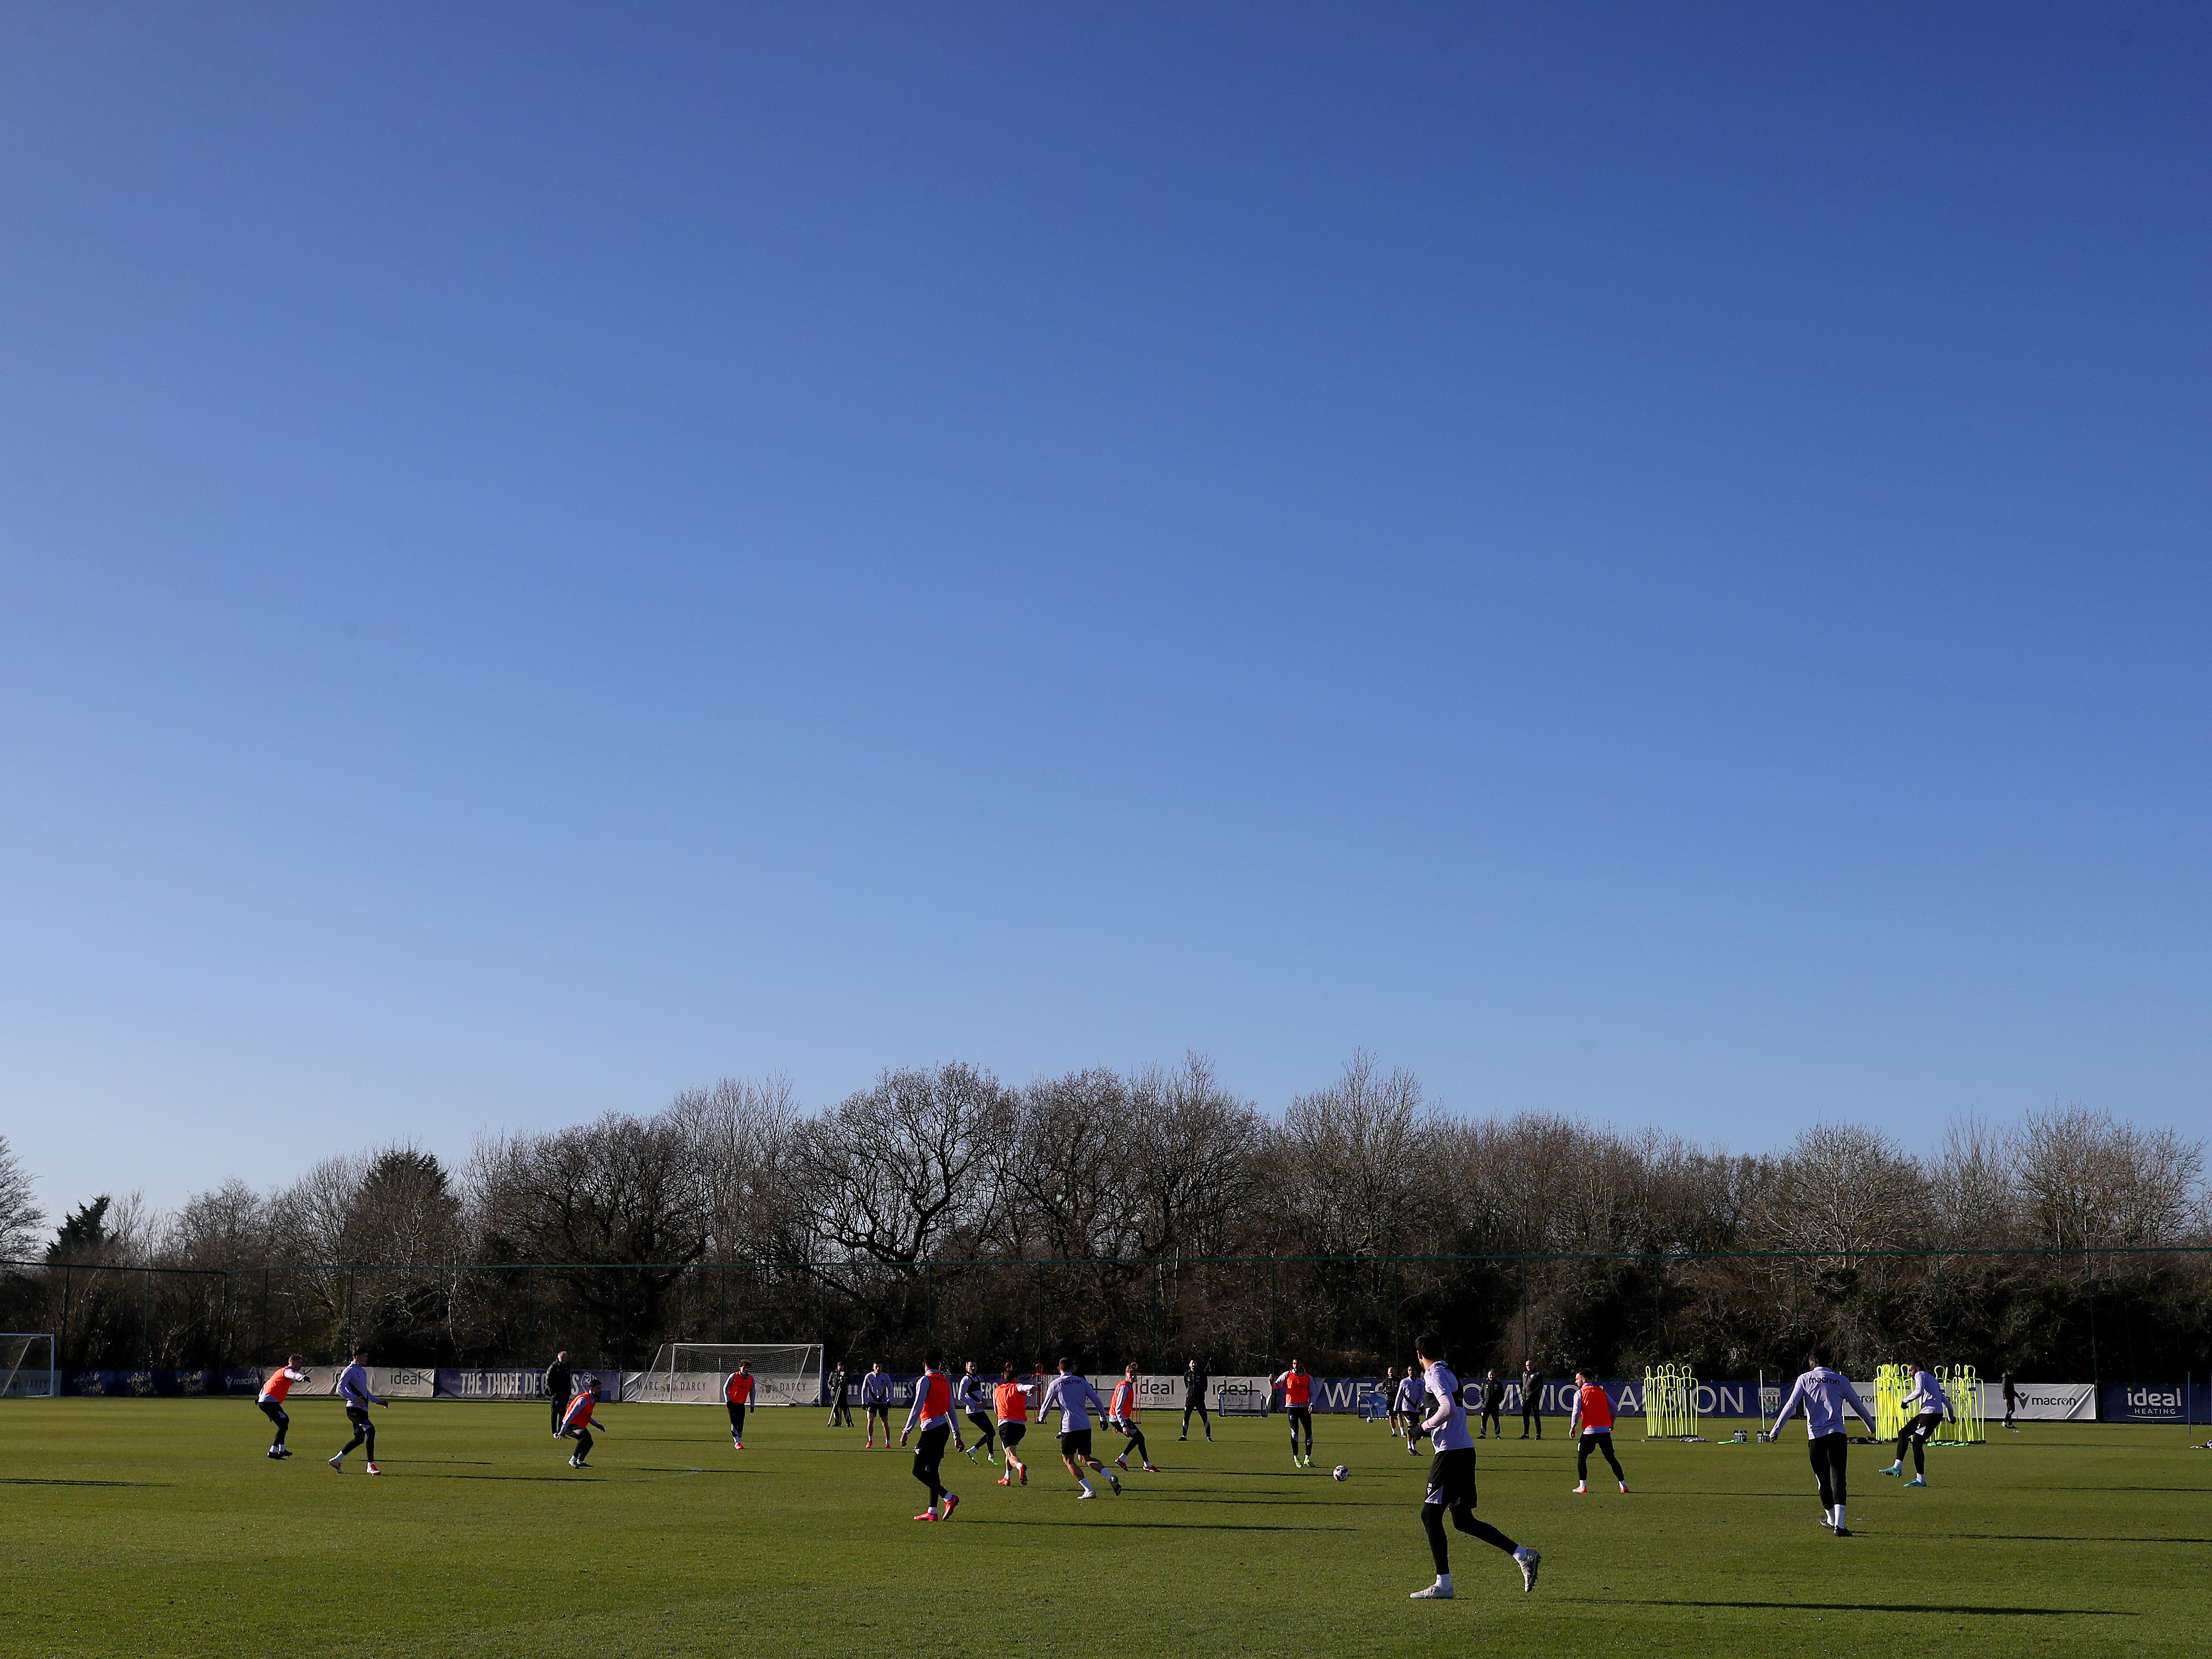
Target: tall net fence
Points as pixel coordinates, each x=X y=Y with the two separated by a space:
x=2122 y=1315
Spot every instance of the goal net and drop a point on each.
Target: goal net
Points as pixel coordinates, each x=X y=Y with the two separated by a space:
x=26 y=1365
x=692 y=1373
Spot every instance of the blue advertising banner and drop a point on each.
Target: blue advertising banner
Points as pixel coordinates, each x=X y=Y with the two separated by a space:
x=2155 y=1402
x=162 y=1385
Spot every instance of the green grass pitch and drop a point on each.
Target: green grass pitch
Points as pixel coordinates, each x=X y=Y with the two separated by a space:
x=158 y=1527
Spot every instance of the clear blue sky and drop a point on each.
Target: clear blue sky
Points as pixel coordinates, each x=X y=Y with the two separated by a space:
x=1639 y=563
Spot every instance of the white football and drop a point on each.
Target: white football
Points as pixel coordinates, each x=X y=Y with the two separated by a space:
x=1340 y=1473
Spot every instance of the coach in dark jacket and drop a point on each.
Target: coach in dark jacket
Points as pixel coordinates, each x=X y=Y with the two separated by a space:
x=559 y=1386
x=1532 y=1399
x=1493 y=1401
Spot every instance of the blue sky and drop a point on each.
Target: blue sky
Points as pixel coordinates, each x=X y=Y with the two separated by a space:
x=1643 y=564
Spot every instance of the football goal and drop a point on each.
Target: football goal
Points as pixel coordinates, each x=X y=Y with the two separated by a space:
x=692 y=1373
x=26 y=1365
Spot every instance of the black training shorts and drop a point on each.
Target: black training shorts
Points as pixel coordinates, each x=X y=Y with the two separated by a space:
x=1075 y=1444
x=1010 y=1434
x=1452 y=1478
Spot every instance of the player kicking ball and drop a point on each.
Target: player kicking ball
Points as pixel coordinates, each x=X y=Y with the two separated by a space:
x=353 y=1388
x=577 y=1422
x=1075 y=1400
x=1925 y=1408
x=272 y=1401
x=1451 y=1477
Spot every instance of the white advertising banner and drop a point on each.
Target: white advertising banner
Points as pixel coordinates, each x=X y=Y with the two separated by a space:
x=705 y=1389
x=385 y=1383
x=2047 y=1402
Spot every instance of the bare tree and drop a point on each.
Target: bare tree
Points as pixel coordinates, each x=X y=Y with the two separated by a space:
x=1351 y=1172
x=2087 y=1181
x=1973 y=1186
x=18 y=1215
x=740 y=1133
x=1845 y=1190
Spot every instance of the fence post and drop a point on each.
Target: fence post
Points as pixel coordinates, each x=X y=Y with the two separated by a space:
x=1159 y=1284
x=223 y=1325
x=146 y=1319
x=1658 y=1318
x=62 y=1357
x=2095 y=1377
x=722 y=1305
x=1397 y=1319
x=262 y=1352
x=929 y=1306
x=1271 y=1316
x=349 y=1318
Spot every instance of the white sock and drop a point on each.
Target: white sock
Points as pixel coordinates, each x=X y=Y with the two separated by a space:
x=1081 y=1482
x=1840 y=1515
x=1444 y=1581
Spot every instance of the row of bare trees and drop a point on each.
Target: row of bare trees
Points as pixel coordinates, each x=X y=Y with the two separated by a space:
x=637 y=1228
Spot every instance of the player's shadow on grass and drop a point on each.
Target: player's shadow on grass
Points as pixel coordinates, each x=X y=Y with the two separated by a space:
x=2054 y=1537
x=1901 y=1606
x=1166 y=1527
x=28 y=1480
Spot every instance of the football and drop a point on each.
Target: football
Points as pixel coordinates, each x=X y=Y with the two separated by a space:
x=1340 y=1473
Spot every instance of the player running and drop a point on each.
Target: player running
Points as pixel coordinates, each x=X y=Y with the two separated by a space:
x=875 y=1401
x=1012 y=1401
x=1451 y=1477
x=1925 y=1408
x=1410 y=1392
x=577 y=1422
x=1194 y=1399
x=1592 y=1418
x=1075 y=1400
x=933 y=1411
x=737 y=1395
x=1825 y=1393
x=975 y=1396
x=353 y=1388
x=1296 y=1384
x=1121 y=1416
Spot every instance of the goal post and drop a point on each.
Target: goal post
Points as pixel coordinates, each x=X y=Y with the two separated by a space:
x=26 y=1365
x=692 y=1373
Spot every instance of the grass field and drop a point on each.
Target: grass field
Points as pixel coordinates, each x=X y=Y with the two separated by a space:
x=158 y=1527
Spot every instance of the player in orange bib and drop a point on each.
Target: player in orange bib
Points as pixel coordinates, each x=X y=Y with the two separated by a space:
x=737 y=1395
x=1122 y=1412
x=1012 y=1401
x=1593 y=1417
x=272 y=1401
x=577 y=1422
x=1296 y=1384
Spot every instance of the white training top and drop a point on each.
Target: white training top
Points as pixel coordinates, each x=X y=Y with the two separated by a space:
x=1927 y=1396
x=1069 y=1392
x=1447 y=1414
